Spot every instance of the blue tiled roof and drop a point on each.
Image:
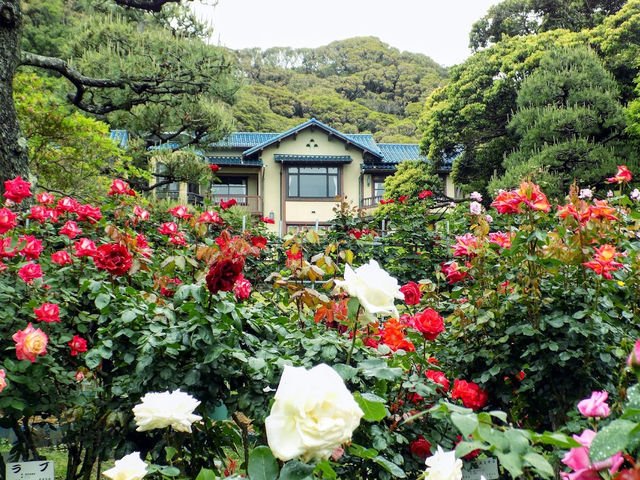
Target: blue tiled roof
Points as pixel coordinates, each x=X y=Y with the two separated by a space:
x=398 y=152
x=313 y=158
x=365 y=139
x=313 y=122
x=243 y=140
x=234 y=160
x=121 y=137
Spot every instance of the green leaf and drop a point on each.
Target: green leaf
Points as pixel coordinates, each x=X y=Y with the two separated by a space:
x=465 y=422
x=324 y=467
x=378 y=368
x=374 y=410
x=611 y=439
x=558 y=439
x=352 y=308
x=464 y=448
x=171 y=452
x=169 y=471
x=540 y=463
x=262 y=464
x=511 y=461
x=296 y=470
x=390 y=467
x=206 y=474
x=102 y=300
x=347 y=372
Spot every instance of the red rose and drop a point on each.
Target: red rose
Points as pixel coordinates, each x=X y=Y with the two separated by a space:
x=16 y=190
x=88 y=213
x=210 y=216
x=242 y=288
x=85 y=248
x=30 y=272
x=67 y=204
x=70 y=229
x=114 y=258
x=424 y=194
x=120 y=187
x=39 y=213
x=214 y=168
x=45 y=198
x=420 y=447
x=180 y=211
x=411 y=293
x=48 y=312
x=438 y=377
x=222 y=275
x=429 y=323
x=7 y=220
x=168 y=228
x=470 y=393
x=260 y=242
x=61 y=258
x=78 y=345
x=32 y=248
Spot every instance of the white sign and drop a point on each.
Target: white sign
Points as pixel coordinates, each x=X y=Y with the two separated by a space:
x=40 y=470
x=487 y=468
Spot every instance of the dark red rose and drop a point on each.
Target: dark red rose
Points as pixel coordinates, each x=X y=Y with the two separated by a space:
x=114 y=258
x=471 y=394
x=429 y=323
x=420 y=447
x=411 y=293
x=222 y=275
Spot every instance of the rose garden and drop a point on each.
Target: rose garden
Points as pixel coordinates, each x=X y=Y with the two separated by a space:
x=177 y=344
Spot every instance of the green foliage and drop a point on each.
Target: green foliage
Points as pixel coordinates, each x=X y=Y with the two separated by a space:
x=511 y=18
x=68 y=152
x=411 y=178
x=568 y=114
x=355 y=85
x=471 y=113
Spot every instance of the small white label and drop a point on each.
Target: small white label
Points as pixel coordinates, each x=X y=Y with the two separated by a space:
x=40 y=470
x=487 y=468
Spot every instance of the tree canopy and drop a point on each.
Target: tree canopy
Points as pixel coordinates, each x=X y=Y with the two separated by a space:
x=567 y=123
x=355 y=85
x=511 y=18
x=147 y=70
x=471 y=113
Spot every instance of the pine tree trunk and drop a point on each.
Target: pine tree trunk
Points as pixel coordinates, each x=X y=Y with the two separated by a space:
x=14 y=159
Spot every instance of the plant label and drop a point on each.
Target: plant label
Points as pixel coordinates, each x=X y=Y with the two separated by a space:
x=39 y=470
x=487 y=468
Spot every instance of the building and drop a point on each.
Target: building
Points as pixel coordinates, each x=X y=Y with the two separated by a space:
x=297 y=177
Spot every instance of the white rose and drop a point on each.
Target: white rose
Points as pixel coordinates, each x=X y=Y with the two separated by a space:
x=129 y=467
x=443 y=466
x=374 y=288
x=160 y=410
x=313 y=414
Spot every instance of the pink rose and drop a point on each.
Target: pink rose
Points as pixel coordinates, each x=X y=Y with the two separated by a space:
x=30 y=343
x=595 y=406
x=634 y=357
x=70 y=229
x=578 y=460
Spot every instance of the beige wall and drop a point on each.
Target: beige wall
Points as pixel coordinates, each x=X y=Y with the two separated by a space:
x=307 y=212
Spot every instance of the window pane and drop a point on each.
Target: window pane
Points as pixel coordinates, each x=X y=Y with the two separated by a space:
x=293 y=186
x=333 y=185
x=313 y=186
x=237 y=190
x=220 y=189
x=320 y=170
x=333 y=170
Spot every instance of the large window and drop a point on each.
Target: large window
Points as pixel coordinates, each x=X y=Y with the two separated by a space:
x=313 y=182
x=230 y=186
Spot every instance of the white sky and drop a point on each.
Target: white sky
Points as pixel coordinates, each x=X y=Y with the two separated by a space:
x=437 y=28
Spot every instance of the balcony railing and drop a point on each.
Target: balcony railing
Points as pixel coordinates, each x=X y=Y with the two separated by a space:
x=168 y=194
x=253 y=203
x=370 y=202
x=195 y=198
